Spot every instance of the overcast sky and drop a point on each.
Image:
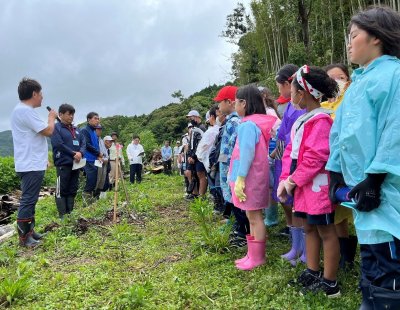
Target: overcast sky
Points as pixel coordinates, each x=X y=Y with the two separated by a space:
x=121 y=57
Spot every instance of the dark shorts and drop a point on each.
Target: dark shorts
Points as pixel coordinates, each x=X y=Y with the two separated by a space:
x=197 y=166
x=320 y=219
x=190 y=167
x=200 y=167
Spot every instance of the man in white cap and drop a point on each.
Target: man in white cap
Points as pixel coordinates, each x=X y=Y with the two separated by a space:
x=103 y=180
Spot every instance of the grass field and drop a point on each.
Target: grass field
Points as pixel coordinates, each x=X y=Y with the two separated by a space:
x=162 y=254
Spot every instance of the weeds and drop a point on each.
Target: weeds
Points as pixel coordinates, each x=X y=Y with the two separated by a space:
x=15 y=286
x=213 y=236
x=134 y=297
x=177 y=260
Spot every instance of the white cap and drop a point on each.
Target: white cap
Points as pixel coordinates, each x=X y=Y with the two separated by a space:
x=108 y=138
x=193 y=113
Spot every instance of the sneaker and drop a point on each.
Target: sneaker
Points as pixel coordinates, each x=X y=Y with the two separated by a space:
x=306 y=279
x=190 y=197
x=321 y=286
x=285 y=232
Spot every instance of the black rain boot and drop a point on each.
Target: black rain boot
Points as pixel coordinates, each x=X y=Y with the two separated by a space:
x=70 y=204
x=61 y=204
x=343 y=246
x=348 y=248
x=351 y=250
x=35 y=235
x=25 y=235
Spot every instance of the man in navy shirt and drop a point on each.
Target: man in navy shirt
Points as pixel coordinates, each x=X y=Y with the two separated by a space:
x=68 y=147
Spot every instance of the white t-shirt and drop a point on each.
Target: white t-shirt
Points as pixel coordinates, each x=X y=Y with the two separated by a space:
x=133 y=151
x=30 y=147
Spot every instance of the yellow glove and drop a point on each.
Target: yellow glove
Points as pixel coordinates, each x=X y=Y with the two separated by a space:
x=239 y=188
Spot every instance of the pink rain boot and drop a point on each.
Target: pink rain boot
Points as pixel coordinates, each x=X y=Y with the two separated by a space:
x=295 y=251
x=243 y=259
x=256 y=255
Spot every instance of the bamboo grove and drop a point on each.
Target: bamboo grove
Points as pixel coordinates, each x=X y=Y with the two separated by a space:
x=276 y=32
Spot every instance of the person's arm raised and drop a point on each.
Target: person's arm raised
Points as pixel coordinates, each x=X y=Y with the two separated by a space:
x=48 y=131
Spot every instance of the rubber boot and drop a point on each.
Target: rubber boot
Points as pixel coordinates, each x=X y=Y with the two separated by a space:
x=70 y=204
x=303 y=257
x=351 y=251
x=61 y=204
x=35 y=235
x=25 y=235
x=348 y=248
x=271 y=215
x=246 y=257
x=257 y=255
x=295 y=251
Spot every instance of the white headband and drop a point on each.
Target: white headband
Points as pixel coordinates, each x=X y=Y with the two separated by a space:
x=305 y=85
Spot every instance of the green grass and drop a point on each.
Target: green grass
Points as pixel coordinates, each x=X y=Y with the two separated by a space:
x=163 y=254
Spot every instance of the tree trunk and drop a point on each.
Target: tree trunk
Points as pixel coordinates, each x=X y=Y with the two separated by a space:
x=304 y=19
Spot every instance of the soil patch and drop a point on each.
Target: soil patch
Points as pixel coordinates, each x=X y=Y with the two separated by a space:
x=131 y=217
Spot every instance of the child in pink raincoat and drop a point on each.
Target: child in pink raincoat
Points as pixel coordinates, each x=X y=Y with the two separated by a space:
x=304 y=175
x=249 y=171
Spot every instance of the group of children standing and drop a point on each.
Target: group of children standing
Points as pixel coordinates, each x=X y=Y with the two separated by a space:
x=337 y=142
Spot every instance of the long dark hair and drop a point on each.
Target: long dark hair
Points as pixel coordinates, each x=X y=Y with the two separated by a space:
x=382 y=23
x=254 y=100
x=320 y=80
x=285 y=73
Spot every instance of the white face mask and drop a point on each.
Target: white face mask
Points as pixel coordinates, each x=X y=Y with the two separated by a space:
x=341 y=85
x=297 y=105
x=218 y=122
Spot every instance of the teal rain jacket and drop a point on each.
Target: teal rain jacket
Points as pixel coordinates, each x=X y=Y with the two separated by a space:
x=365 y=138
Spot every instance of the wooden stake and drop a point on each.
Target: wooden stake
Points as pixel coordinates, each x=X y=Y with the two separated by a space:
x=116 y=186
x=123 y=184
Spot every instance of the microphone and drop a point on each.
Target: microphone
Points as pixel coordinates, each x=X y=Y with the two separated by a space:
x=49 y=109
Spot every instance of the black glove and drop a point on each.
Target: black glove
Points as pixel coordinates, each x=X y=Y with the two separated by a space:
x=368 y=192
x=335 y=181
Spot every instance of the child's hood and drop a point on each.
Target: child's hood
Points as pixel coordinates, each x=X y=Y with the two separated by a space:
x=263 y=121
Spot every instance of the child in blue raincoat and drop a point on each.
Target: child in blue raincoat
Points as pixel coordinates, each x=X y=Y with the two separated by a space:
x=365 y=152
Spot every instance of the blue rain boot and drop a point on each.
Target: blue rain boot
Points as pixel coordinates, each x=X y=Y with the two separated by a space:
x=271 y=215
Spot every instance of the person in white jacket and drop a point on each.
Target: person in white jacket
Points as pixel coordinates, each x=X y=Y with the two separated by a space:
x=135 y=153
x=207 y=142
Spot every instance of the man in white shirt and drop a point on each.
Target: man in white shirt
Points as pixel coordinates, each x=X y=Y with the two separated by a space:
x=135 y=153
x=207 y=142
x=30 y=155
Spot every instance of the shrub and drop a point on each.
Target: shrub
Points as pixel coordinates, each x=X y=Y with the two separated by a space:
x=9 y=179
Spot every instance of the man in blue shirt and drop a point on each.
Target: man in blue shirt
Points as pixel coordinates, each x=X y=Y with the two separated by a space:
x=166 y=155
x=91 y=154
